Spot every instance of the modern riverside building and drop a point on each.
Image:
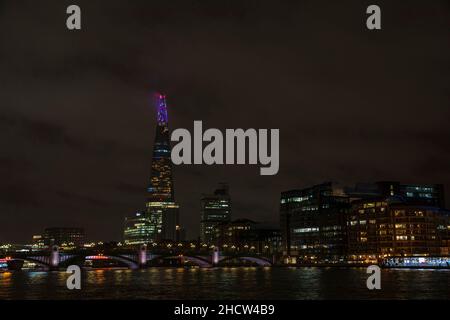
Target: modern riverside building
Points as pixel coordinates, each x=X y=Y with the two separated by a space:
x=160 y=220
x=392 y=227
x=214 y=209
x=313 y=223
x=64 y=237
x=364 y=223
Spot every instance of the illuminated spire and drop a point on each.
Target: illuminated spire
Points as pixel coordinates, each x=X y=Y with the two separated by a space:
x=162 y=109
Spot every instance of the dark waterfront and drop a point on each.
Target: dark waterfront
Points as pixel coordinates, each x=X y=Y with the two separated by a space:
x=228 y=283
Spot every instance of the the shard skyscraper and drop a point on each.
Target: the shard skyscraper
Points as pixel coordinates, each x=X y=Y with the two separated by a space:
x=160 y=219
x=161 y=183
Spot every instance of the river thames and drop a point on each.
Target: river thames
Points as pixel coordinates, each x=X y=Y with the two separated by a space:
x=228 y=283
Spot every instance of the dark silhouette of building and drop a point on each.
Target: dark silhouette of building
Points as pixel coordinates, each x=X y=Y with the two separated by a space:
x=420 y=194
x=64 y=237
x=215 y=208
x=244 y=235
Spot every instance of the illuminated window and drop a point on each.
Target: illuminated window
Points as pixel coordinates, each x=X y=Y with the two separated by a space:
x=305 y=230
x=399 y=213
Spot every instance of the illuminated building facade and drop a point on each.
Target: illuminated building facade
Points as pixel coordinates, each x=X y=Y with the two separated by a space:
x=393 y=227
x=164 y=216
x=64 y=237
x=138 y=229
x=38 y=243
x=215 y=209
x=160 y=220
x=313 y=223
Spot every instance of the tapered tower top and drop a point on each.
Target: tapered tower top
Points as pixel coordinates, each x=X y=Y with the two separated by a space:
x=162 y=109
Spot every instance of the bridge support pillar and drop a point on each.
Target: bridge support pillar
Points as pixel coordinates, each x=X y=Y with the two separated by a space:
x=142 y=256
x=215 y=256
x=54 y=257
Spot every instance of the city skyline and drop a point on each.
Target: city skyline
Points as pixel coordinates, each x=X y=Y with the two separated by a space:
x=77 y=125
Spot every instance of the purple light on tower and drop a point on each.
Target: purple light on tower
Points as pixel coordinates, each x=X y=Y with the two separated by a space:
x=162 y=109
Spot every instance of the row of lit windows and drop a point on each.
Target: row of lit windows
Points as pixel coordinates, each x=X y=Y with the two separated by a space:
x=306 y=230
x=296 y=199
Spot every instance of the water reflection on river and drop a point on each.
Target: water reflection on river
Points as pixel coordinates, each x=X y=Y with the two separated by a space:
x=228 y=283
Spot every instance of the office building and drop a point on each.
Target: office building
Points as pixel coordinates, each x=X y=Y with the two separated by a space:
x=214 y=209
x=138 y=229
x=313 y=222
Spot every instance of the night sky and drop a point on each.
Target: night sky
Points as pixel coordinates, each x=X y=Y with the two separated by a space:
x=77 y=124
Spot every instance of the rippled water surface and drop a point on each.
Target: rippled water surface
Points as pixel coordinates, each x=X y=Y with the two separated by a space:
x=228 y=283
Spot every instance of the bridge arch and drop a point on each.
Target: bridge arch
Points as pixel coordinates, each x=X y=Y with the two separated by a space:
x=45 y=265
x=260 y=261
x=128 y=262
x=199 y=261
x=202 y=262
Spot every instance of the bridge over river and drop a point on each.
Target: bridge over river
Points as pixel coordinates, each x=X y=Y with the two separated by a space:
x=54 y=258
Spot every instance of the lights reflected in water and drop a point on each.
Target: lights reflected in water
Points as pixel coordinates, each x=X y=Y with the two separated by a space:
x=227 y=283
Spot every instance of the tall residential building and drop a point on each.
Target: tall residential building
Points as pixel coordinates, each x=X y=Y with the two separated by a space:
x=160 y=220
x=215 y=209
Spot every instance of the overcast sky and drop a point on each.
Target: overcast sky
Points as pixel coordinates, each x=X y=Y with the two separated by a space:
x=77 y=124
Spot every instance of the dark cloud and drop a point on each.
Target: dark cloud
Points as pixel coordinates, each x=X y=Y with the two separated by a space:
x=40 y=131
x=129 y=188
x=81 y=200
x=77 y=126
